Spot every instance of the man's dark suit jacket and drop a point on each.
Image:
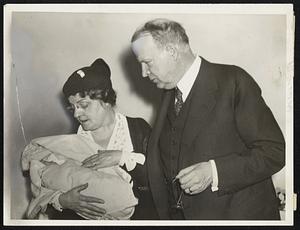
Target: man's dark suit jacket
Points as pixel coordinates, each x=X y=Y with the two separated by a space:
x=229 y=122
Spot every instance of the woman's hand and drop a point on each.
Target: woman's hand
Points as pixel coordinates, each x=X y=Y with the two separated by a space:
x=104 y=158
x=82 y=204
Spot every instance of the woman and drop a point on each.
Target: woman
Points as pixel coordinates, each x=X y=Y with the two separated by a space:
x=120 y=140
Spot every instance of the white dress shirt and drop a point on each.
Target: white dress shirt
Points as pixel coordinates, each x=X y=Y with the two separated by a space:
x=185 y=85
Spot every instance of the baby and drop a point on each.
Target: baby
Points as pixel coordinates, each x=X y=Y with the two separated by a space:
x=55 y=166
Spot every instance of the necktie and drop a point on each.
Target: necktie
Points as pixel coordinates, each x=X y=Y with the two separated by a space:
x=178 y=102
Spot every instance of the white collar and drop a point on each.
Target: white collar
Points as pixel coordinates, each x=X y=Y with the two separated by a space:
x=120 y=138
x=186 y=82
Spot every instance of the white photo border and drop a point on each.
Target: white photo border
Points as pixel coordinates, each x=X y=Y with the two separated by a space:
x=281 y=9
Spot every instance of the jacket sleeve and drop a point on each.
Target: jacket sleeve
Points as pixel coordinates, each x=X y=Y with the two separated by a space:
x=146 y=134
x=139 y=131
x=256 y=125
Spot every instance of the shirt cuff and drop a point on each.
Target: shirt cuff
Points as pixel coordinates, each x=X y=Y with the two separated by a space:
x=55 y=202
x=130 y=159
x=215 y=182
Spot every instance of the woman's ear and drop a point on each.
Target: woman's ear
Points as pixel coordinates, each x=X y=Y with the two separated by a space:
x=105 y=105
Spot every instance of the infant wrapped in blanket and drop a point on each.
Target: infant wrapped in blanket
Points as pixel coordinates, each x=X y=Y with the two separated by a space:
x=55 y=166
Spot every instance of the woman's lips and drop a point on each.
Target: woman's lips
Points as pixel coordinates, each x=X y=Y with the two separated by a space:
x=82 y=121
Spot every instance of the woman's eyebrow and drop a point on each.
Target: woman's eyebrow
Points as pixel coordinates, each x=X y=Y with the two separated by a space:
x=75 y=102
x=80 y=100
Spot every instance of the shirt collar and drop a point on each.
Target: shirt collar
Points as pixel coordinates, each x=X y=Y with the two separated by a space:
x=186 y=82
x=88 y=134
x=120 y=138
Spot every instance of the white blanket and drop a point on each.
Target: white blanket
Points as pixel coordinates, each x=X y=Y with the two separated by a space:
x=111 y=184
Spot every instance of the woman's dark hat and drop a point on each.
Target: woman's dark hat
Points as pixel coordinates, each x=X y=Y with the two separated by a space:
x=96 y=76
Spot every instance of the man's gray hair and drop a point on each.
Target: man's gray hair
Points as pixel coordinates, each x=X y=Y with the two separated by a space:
x=163 y=31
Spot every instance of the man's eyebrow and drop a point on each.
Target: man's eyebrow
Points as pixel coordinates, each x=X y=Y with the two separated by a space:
x=145 y=60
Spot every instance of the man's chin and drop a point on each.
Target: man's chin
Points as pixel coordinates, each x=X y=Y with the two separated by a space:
x=160 y=85
x=164 y=86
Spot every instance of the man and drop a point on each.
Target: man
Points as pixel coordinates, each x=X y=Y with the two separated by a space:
x=215 y=143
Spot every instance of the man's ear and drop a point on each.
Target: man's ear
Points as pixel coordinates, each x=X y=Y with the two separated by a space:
x=172 y=50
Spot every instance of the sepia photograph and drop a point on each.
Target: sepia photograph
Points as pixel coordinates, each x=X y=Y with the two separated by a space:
x=148 y=114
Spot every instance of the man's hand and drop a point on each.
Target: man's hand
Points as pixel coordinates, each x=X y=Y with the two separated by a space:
x=81 y=204
x=195 y=178
x=102 y=159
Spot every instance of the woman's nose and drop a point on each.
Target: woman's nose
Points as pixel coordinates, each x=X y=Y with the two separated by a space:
x=77 y=112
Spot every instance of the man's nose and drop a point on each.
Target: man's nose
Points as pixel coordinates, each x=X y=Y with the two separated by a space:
x=145 y=70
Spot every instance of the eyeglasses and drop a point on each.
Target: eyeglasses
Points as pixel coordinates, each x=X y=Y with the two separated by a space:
x=179 y=203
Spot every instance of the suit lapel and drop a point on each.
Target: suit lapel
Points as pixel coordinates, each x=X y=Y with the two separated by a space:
x=160 y=119
x=156 y=175
x=203 y=100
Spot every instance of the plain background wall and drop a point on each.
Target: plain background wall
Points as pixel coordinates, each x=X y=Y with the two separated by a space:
x=47 y=47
